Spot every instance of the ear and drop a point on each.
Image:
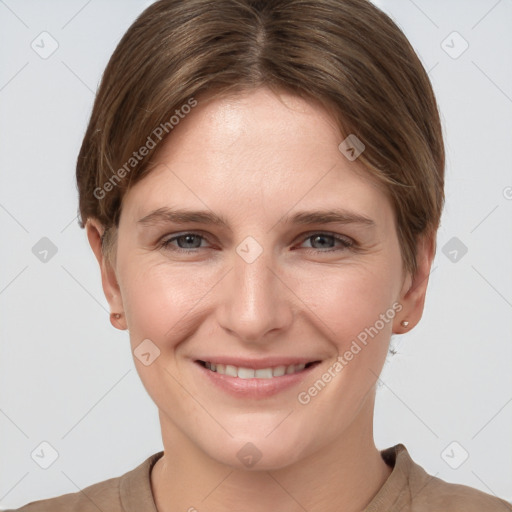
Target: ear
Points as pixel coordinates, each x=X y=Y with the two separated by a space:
x=109 y=281
x=414 y=289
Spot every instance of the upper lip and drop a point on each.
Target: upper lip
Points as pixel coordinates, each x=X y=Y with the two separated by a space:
x=257 y=364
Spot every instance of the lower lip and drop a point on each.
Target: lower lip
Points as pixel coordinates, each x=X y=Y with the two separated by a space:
x=254 y=388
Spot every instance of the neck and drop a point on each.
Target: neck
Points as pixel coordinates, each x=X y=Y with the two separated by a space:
x=344 y=475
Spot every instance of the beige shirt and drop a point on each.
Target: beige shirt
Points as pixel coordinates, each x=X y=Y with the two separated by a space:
x=408 y=488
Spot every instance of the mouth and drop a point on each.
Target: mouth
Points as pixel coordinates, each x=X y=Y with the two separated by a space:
x=269 y=372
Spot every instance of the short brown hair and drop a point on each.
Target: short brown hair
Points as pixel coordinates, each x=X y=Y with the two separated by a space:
x=346 y=54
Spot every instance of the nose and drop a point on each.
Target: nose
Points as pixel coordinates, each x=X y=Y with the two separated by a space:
x=255 y=302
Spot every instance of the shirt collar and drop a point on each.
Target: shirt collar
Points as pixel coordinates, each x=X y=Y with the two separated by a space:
x=136 y=494
x=135 y=487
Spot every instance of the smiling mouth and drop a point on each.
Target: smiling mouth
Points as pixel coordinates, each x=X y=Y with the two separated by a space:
x=260 y=373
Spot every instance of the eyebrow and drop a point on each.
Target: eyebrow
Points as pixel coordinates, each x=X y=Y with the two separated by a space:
x=183 y=216
x=338 y=216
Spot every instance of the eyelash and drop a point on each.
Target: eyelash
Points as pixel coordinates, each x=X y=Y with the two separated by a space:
x=346 y=242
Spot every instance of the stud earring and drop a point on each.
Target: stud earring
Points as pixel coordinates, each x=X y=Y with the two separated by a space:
x=115 y=320
x=404 y=323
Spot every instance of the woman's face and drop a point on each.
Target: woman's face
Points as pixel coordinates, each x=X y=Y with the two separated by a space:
x=272 y=285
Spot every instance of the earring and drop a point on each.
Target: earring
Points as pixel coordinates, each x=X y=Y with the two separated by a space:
x=115 y=320
x=404 y=323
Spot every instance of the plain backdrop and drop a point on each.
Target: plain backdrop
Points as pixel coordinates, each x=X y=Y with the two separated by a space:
x=67 y=377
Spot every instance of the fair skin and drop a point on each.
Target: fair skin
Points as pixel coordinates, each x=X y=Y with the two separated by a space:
x=254 y=159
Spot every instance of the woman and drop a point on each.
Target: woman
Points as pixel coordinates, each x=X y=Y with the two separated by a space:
x=261 y=183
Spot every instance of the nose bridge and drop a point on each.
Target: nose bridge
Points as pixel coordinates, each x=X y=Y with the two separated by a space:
x=255 y=302
x=252 y=275
x=253 y=272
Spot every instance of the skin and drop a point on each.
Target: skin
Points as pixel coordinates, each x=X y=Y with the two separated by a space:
x=254 y=158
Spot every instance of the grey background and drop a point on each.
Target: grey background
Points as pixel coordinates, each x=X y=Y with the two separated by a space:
x=67 y=377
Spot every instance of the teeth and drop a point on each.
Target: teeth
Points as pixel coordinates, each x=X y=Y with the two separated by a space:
x=231 y=371
x=250 y=373
x=278 y=371
x=263 y=373
x=245 y=373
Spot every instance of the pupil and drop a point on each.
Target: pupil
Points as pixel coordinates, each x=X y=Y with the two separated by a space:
x=321 y=237
x=189 y=239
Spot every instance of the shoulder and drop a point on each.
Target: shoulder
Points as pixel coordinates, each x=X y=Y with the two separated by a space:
x=441 y=495
x=112 y=495
x=428 y=493
x=99 y=495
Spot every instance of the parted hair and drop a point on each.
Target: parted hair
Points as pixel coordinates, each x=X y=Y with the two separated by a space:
x=346 y=54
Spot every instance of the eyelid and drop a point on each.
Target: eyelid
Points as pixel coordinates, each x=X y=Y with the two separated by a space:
x=347 y=242
x=170 y=237
x=337 y=236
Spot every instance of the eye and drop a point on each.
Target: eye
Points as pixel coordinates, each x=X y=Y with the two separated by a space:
x=187 y=242
x=190 y=242
x=325 y=241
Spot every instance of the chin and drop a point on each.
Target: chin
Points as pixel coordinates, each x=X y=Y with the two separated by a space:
x=256 y=454
x=270 y=446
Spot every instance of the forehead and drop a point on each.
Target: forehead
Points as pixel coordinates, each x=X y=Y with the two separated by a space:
x=256 y=148
x=259 y=119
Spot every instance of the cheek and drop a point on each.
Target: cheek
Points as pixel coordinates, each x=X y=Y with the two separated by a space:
x=161 y=299
x=348 y=299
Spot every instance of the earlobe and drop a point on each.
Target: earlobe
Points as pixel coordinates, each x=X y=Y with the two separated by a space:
x=109 y=280
x=117 y=320
x=414 y=290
